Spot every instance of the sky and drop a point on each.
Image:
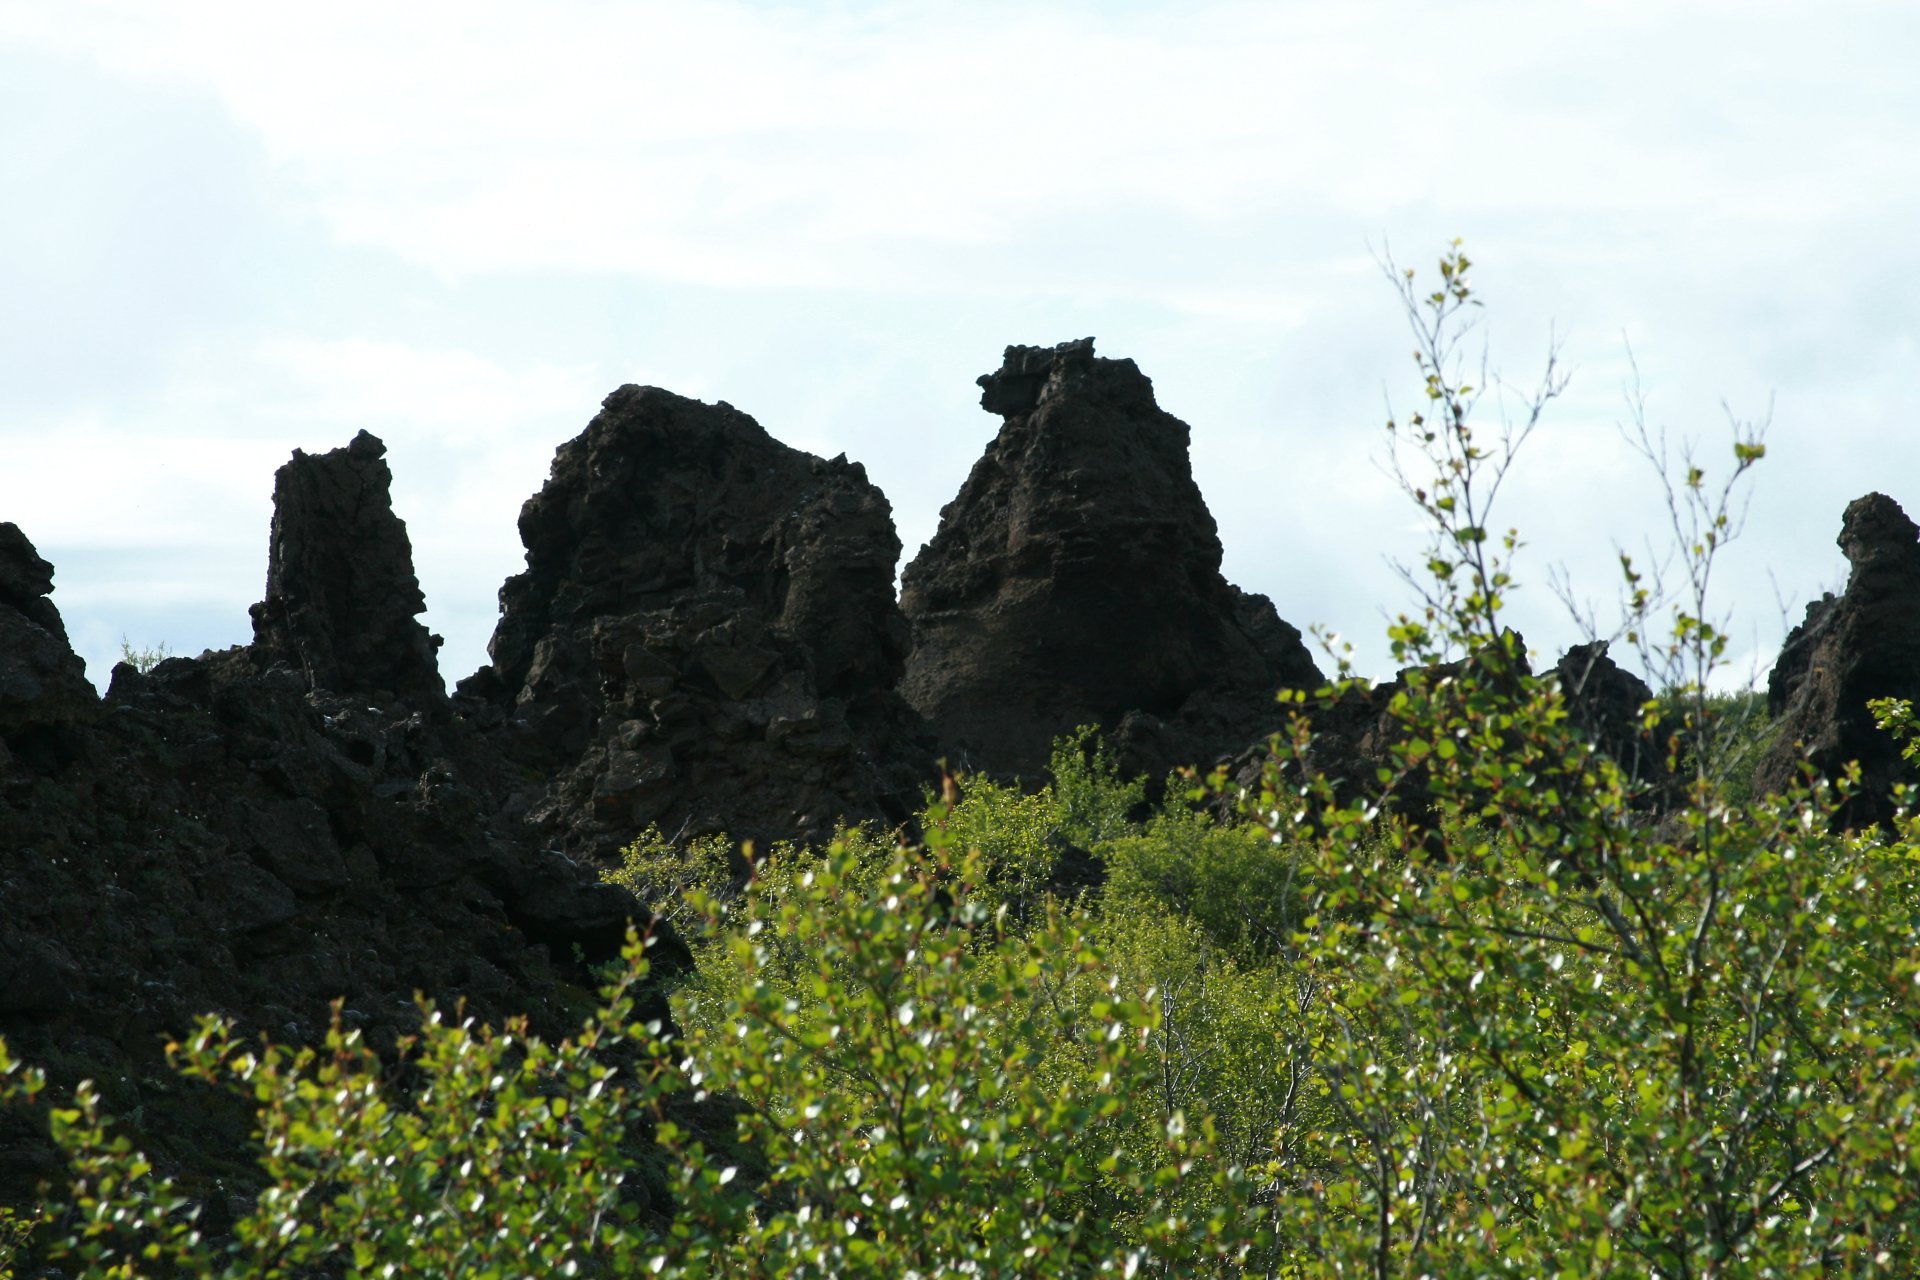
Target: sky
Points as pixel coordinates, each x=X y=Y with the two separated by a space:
x=228 y=231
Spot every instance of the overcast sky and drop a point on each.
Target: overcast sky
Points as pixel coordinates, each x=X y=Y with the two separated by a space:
x=232 y=230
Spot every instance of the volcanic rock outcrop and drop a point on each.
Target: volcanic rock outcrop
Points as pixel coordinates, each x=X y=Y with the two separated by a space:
x=43 y=684
x=1796 y=653
x=1863 y=645
x=705 y=636
x=1076 y=580
x=1605 y=701
x=233 y=834
x=342 y=599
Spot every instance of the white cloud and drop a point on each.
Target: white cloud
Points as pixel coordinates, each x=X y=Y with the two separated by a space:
x=453 y=396
x=735 y=144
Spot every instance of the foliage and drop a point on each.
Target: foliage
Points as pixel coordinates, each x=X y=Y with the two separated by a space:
x=144 y=658
x=1239 y=887
x=921 y=1099
x=14 y=1233
x=1023 y=838
x=1564 y=1041
x=932 y=1107
x=661 y=873
x=1722 y=736
x=506 y=1158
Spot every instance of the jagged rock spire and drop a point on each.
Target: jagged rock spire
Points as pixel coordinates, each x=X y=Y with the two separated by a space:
x=1076 y=579
x=342 y=601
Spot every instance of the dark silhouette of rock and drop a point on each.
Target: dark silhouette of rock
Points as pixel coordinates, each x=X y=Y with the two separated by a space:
x=1606 y=701
x=43 y=683
x=236 y=834
x=342 y=600
x=1861 y=646
x=1076 y=580
x=1796 y=653
x=705 y=636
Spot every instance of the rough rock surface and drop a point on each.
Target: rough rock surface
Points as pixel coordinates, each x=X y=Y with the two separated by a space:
x=1863 y=645
x=342 y=600
x=1605 y=701
x=230 y=834
x=705 y=637
x=1076 y=580
x=43 y=684
x=1796 y=653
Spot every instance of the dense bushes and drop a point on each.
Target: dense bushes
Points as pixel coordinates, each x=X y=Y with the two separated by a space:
x=1528 y=1025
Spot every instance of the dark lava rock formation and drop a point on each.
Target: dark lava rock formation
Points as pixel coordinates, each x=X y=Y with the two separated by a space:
x=706 y=636
x=1076 y=580
x=236 y=834
x=43 y=683
x=1862 y=645
x=342 y=600
x=1604 y=700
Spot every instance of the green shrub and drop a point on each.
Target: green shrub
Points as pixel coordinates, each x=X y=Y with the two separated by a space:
x=506 y=1156
x=1241 y=887
x=144 y=658
x=919 y=1090
x=1564 y=1040
x=924 y=1096
x=661 y=873
x=14 y=1233
x=1722 y=736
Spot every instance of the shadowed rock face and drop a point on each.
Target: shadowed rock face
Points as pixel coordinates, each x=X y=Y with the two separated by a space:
x=261 y=831
x=342 y=599
x=1863 y=645
x=1796 y=654
x=43 y=683
x=1076 y=579
x=1604 y=700
x=706 y=634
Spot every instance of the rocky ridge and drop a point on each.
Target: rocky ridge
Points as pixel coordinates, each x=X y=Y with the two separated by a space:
x=706 y=638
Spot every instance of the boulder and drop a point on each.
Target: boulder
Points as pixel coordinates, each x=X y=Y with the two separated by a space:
x=1862 y=645
x=342 y=602
x=1076 y=580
